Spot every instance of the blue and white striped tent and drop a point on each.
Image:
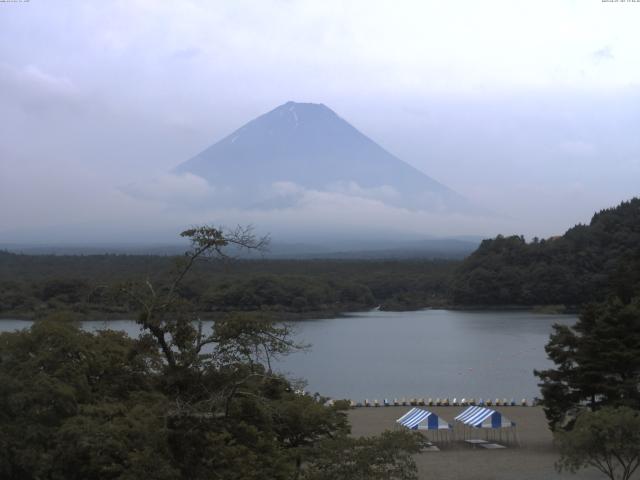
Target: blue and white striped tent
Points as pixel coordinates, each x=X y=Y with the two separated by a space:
x=482 y=417
x=420 y=419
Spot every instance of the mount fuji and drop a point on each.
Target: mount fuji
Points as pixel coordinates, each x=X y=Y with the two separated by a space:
x=272 y=161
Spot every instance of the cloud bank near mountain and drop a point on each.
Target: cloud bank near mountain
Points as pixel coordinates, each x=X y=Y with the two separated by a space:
x=98 y=95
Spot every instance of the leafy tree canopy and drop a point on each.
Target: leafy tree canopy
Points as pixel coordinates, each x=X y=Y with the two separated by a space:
x=178 y=402
x=597 y=362
x=608 y=440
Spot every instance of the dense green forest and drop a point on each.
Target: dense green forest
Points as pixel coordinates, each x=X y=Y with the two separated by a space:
x=35 y=285
x=586 y=264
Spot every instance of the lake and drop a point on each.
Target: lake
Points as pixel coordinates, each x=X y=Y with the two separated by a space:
x=426 y=353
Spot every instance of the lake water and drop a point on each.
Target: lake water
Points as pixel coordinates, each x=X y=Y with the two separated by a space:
x=428 y=353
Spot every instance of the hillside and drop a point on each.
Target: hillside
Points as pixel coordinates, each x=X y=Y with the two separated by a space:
x=585 y=264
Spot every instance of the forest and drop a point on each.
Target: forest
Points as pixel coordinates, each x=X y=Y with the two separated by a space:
x=32 y=286
x=587 y=263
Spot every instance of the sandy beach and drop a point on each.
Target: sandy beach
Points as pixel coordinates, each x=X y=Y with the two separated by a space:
x=533 y=460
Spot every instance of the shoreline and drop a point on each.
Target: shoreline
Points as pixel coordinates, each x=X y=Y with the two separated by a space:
x=282 y=316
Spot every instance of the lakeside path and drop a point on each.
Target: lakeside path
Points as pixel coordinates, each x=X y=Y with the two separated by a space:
x=533 y=460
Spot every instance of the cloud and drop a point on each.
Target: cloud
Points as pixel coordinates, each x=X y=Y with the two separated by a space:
x=98 y=94
x=339 y=214
x=343 y=189
x=603 y=54
x=172 y=189
x=578 y=148
x=284 y=189
x=35 y=90
x=352 y=211
x=299 y=212
x=187 y=53
x=353 y=189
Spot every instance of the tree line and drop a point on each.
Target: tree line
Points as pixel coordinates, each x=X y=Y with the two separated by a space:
x=34 y=286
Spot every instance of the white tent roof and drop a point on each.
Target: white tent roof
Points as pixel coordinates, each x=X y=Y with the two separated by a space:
x=481 y=417
x=420 y=419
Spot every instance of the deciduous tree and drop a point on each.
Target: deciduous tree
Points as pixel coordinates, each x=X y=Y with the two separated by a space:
x=608 y=440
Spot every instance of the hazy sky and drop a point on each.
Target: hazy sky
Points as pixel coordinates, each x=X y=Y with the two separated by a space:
x=531 y=109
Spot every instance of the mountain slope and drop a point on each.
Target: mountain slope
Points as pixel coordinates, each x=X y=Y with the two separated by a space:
x=274 y=160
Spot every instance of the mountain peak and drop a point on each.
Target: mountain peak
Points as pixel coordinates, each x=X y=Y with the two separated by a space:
x=298 y=110
x=308 y=147
x=306 y=105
